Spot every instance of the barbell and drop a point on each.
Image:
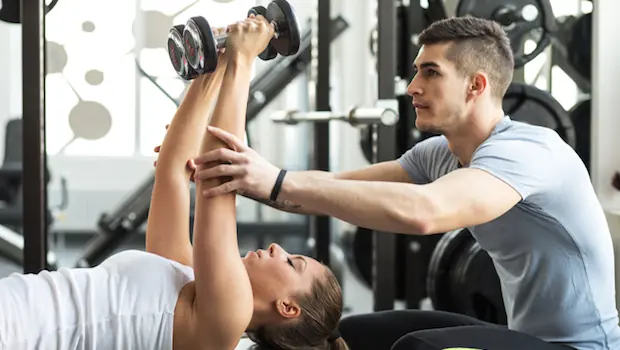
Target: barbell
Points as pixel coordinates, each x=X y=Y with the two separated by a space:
x=354 y=116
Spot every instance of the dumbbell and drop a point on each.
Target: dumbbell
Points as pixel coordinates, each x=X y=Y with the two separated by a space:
x=176 y=52
x=201 y=45
x=178 y=57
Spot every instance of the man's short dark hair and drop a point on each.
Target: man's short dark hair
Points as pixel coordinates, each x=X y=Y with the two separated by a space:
x=476 y=44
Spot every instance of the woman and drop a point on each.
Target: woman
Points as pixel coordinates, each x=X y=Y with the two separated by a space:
x=175 y=296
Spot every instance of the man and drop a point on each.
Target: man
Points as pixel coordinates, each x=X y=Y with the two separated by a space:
x=523 y=192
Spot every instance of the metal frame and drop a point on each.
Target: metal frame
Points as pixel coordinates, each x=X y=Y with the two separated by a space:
x=33 y=92
x=384 y=244
x=321 y=225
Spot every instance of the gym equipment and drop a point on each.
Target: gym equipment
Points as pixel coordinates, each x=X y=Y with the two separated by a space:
x=580 y=114
x=520 y=19
x=463 y=279
x=201 y=46
x=10 y=10
x=12 y=248
x=355 y=116
x=177 y=54
x=531 y=105
x=357 y=247
x=579 y=48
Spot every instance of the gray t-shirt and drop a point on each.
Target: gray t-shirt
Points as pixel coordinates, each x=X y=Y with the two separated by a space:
x=553 y=250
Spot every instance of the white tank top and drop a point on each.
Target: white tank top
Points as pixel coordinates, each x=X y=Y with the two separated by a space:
x=125 y=303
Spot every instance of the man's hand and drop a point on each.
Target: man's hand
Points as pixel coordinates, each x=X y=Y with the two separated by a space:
x=190 y=164
x=248 y=38
x=251 y=174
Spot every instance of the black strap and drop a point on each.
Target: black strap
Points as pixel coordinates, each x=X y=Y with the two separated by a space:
x=277 y=186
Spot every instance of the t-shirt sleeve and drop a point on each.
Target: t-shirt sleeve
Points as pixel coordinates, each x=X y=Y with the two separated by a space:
x=418 y=161
x=526 y=166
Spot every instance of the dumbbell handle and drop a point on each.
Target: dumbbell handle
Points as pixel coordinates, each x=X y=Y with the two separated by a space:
x=221 y=38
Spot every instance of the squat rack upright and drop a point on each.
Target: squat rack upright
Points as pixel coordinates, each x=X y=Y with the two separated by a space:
x=34 y=152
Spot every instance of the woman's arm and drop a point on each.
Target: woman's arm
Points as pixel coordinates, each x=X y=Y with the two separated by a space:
x=167 y=232
x=224 y=301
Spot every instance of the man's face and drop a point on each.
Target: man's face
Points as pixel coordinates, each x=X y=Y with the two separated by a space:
x=439 y=91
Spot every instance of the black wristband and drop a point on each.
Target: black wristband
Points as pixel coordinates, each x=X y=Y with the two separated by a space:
x=277 y=186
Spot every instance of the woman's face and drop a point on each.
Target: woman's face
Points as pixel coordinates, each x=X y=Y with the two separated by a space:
x=277 y=277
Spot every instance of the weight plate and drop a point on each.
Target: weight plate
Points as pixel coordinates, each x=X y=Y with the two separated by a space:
x=357 y=246
x=579 y=47
x=283 y=15
x=176 y=53
x=441 y=263
x=580 y=114
x=269 y=52
x=475 y=286
x=200 y=45
x=10 y=11
x=531 y=105
x=521 y=19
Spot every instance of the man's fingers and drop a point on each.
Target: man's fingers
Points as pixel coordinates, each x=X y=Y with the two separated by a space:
x=220 y=155
x=227 y=187
x=219 y=171
x=191 y=165
x=231 y=140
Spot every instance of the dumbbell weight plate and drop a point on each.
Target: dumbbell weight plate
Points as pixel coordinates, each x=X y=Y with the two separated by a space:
x=200 y=45
x=270 y=52
x=176 y=52
x=282 y=14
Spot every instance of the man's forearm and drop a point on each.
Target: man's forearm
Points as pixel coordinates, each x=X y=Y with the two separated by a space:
x=383 y=206
x=290 y=206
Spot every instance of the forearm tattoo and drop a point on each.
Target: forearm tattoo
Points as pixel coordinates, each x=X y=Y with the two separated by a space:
x=280 y=205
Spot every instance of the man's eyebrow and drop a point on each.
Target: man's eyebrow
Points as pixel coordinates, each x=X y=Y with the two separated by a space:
x=426 y=65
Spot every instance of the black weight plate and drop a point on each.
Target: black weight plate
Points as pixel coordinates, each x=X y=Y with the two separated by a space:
x=475 y=286
x=442 y=261
x=176 y=53
x=580 y=114
x=283 y=15
x=580 y=46
x=517 y=31
x=366 y=135
x=531 y=105
x=357 y=246
x=269 y=52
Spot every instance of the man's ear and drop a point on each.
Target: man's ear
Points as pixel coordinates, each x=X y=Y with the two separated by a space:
x=288 y=308
x=478 y=85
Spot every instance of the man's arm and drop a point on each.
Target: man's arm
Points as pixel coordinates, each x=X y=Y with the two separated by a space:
x=462 y=198
x=390 y=171
x=501 y=174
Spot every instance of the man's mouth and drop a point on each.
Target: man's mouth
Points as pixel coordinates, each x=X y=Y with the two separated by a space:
x=417 y=105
